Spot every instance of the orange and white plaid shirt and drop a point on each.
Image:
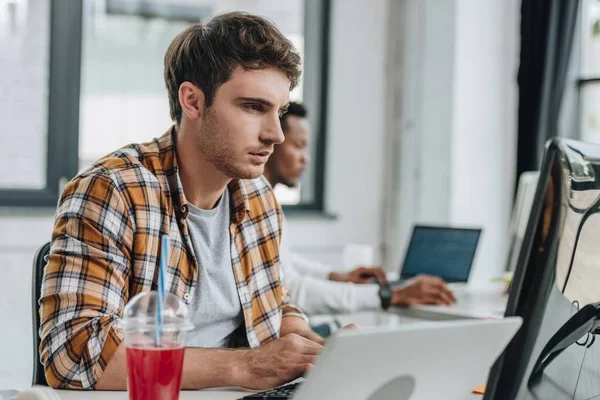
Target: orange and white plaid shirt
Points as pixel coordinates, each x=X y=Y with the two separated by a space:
x=105 y=249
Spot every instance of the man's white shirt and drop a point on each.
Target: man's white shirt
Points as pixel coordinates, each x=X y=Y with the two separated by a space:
x=312 y=292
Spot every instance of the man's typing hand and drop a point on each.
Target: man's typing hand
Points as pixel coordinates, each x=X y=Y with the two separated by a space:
x=279 y=362
x=423 y=290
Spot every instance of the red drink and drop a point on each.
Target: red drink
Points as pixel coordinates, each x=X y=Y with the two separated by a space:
x=154 y=373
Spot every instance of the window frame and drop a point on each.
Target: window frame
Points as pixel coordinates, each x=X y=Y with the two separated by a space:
x=317 y=13
x=66 y=37
x=584 y=80
x=63 y=108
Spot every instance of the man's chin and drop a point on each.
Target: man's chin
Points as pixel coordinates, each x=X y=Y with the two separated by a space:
x=252 y=172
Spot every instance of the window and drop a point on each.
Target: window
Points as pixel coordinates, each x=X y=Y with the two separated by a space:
x=590 y=71
x=123 y=97
x=95 y=83
x=39 y=73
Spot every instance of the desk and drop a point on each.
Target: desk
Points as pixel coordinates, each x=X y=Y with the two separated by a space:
x=209 y=394
x=470 y=304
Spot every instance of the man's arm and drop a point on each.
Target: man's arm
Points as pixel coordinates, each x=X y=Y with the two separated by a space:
x=317 y=295
x=202 y=368
x=272 y=365
x=85 y=283
x=360 y=275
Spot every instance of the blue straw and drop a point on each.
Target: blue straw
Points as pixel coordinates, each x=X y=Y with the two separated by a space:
x=162 y=267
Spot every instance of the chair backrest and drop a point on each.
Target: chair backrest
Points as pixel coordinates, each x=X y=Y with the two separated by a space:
x=39 y=261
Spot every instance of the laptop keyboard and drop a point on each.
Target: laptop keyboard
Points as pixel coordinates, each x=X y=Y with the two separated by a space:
x=283 y=392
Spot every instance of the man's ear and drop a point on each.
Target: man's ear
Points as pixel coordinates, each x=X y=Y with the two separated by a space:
x=192 y=100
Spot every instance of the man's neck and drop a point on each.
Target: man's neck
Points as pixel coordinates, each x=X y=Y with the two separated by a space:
x=203 y=184
x=270 y=177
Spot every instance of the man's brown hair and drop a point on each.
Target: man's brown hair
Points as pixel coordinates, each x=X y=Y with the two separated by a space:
x=207 y=54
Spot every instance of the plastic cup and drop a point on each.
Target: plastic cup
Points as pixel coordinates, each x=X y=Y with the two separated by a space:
x=154 y=372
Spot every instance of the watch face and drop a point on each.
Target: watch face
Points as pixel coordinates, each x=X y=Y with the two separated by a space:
x=385 y=291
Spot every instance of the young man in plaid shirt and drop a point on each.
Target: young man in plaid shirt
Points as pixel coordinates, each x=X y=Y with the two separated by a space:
x=201 y=183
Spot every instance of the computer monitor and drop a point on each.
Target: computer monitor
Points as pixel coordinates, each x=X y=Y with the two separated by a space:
x=557 y=277
x=446 y=252
x=520 y=215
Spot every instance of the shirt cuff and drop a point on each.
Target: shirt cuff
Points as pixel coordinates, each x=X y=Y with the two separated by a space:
x=368 y=295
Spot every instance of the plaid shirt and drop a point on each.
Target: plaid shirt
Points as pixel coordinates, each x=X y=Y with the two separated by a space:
x=105 y=246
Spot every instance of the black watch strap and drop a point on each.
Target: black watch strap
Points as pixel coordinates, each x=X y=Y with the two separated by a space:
x=385 y=294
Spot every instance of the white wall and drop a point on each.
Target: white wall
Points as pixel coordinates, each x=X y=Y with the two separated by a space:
x=454 y=122
x=22 y=232
x=355 y=134
x=420 y=91
x=484 y=132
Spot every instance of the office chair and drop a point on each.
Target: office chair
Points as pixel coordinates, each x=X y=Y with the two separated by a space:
x=38 y=272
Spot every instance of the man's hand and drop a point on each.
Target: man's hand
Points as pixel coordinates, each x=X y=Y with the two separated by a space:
x=299 y=326
x=360 y=275
x=312 y=336
x=279 y=361
x=423 y=290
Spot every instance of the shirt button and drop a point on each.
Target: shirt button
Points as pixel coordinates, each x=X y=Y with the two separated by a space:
x=186 y=296
x=183 y=209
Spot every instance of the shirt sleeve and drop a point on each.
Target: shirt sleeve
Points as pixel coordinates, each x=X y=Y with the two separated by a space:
x=314 y=294
x=287 y=308
x=85 y=283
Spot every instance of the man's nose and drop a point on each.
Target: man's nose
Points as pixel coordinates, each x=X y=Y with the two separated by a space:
x=305 y=157
x=273 y=132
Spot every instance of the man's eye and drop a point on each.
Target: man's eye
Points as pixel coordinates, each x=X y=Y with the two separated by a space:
x=255 y=107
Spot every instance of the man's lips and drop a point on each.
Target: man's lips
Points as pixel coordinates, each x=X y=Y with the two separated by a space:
x=261 y=153
x=260 y=157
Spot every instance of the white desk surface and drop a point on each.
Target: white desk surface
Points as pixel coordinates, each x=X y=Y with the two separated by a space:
x=209 y=394
x=474 y=304
x=471 y=304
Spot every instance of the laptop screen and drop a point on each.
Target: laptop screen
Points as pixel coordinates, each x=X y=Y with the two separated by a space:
x=439 y=251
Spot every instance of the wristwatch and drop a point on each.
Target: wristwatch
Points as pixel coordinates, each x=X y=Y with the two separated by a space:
x=385 y=294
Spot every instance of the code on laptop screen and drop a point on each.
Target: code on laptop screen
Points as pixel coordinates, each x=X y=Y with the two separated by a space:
x=444 y=252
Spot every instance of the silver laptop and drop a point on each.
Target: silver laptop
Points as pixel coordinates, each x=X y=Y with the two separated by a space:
x=420 y=361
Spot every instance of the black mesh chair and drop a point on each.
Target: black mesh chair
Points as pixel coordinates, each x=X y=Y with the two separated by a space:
x=38 y=272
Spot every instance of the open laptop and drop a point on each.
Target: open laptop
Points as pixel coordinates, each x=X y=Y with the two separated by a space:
x=445 y=252
x=421 y=361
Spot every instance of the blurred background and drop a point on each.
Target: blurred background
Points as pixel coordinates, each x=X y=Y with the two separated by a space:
x=422 y=111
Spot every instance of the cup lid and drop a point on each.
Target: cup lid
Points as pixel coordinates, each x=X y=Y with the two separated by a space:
x=140 y=314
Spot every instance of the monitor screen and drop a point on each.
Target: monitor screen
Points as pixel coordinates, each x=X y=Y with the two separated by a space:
x=440 y=251
x=556 y=280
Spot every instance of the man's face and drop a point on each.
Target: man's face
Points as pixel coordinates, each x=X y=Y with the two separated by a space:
x=290 y=158
x=239 y=130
